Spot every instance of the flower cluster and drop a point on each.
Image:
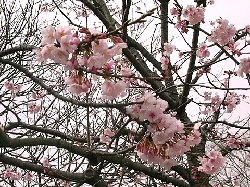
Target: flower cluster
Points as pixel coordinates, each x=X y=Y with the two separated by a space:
x=202 y=51
x=166 y=136
x=182 y=24
x=89 y=51
x=223 y=33
x=229 y=102
x=244 y=67
x=193 y=14
x=211 y=163
x=106 y=136
x=15 y=175
x=12 y=87
x=34 y=107
x=233 y=141
x=46 y=162
x=168 y=50
x=10 y=174
x=112 y=90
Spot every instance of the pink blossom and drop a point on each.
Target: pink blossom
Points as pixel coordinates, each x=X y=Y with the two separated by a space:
x=77 y=85
x=75 y=41
x=104 y=139
x=247 y=29
x=46 y=52
x=66 y=44
x=193 y=14
x=62 y=31
x=223 y=33
x=244 y=67
x=211 y=2
x=116 y=39
x=106 y=136
x=107 y=67
x=34 y=107
x=15 y=176
x=28 y=176
x=108 y=132
x=168 y=49
x=7 y=173
x=83 y=61
x=75 y=89
x=86 y=85
x=45 y=162
x=152 y=114
x=202 y=51
x=96 y=61
x=173 y=11
x=211 y=163
x=126 y=71
x=207 y=95
x=39 y=56
x=60 y=56
x=69 y=66
x=232 y=141
x=48 y=35
x=248 y=156
x=182 y=25
x=118 y=48
x=164 y=63
x=112 y=90
x=94 y=31
x=160 y=137
x=99 y=46
x=149 y=99
x=9 y=86
x=65 y=183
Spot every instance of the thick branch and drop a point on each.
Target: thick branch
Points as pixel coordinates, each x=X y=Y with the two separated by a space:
x=88 y=153
x=55 y=173
x=47 y=131
x=12 y=50
x=134 y=57
x=191 y=67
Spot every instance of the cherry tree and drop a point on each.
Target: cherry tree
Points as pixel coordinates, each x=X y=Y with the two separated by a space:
x=122 y=93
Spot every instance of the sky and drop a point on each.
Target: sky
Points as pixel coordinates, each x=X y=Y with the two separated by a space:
x=236 y=11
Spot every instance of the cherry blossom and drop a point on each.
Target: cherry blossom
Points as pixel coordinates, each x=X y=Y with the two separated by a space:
x=244 y=67
x=45 y=53
x=48 y=35
x=77 y=85
x=112 y=90
x=211 y=2
x=106 y=136
x=211 y=163
x=193 y=14
x=28 y=176
x=223 y=33
x=164 y=63
x=10 y=174
x=174 y=11
x=67 y=43
x=165 y=138
x=202 y=51
x=233 y=141
x=60 y=56
x=34 y=107
x=168 y=49
x=182 y=24
x=62 y=31
x=46 y=162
